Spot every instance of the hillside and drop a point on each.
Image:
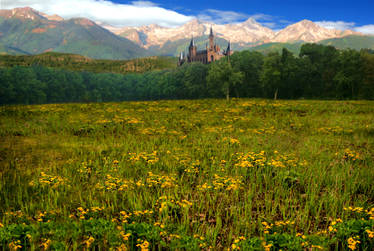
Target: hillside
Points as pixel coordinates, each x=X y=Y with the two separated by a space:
x=81 y=63
x=352 y=42
x=28 y=32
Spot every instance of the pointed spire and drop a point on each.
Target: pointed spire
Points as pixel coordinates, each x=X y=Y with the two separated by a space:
x=211 y=31
x=228 y=48
x=192 y=44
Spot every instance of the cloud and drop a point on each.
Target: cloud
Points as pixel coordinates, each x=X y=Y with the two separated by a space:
x=338 y=25
x=269 y=21
x=103 y=11
x=262 y=17
x=144 y=3
x=341 y=25
x=366 y=29
x=271 y=25
x=222 y=17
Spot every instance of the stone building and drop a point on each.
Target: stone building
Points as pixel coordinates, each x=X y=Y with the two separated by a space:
x=210 y=54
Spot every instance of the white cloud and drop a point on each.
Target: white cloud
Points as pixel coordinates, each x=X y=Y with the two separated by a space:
x=271 y=25
x=263 y=17
x=341 y=25
x=366 y=29
x=222 y=17
x=338 y=25
x=144 y=3
x=135 y=14
x=273 y=22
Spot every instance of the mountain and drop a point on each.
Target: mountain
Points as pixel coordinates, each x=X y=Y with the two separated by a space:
x=248 y=33
x=32 y=32
x=154 y=35
x=308 y=31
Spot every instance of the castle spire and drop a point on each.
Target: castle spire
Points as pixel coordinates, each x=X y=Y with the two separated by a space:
x=211 y=39
x=192 y=44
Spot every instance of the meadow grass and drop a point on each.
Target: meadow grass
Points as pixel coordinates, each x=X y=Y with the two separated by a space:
x=188 y=175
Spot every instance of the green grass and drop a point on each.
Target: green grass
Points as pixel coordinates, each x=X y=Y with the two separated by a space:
x=254 y=174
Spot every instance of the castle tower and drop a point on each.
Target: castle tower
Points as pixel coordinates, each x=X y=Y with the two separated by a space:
x=192 y=48
x=211 y=39
x=228 y=50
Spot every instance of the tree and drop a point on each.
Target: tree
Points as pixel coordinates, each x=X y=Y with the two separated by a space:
x=222 y=78
x=250 y=63
x=271 y=75
x=349 y=75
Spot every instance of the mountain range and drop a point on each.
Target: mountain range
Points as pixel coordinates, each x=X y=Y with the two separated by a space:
x=28 y=31
x=248 y=32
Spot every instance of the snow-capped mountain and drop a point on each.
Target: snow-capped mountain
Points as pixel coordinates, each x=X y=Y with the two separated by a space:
x=249 y=31
x=154 y=35
x=308 y=31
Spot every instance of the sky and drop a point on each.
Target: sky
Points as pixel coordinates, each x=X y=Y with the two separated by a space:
x=356 y=15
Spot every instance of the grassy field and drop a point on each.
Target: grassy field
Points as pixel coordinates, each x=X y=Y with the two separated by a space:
x=188 y=175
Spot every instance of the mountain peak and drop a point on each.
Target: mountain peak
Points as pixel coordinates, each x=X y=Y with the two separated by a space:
x=307 y=31
x=22 y=13
x=250 y=21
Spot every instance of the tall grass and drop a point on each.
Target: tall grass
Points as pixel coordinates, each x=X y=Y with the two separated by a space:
x=249 y=174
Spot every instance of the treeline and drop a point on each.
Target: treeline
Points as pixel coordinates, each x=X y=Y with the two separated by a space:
x=80 y=63
x=319 y=72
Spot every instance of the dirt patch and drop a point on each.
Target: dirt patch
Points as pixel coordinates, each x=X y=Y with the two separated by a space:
x=39 y=30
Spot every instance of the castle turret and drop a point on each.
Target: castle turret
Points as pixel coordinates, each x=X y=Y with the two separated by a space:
x=192 y=48
x=211 y=39
x=228 y=50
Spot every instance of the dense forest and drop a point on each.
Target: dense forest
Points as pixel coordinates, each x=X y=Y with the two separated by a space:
x=318 y=72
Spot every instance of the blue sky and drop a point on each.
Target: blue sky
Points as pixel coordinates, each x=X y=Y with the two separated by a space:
x=358 y=11
x=356 y=15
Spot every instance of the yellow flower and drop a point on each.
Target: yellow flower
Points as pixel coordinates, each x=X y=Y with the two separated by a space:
x=46 y=244
x=267 y=246
x=370 y=233
x=143 y=246
x=15 y=245
x=89 y=241
x=352 y=242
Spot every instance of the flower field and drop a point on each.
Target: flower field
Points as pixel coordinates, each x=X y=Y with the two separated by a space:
x=188 y=175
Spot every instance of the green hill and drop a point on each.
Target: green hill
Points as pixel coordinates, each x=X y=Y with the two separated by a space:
x=81 y=63
x=352 y=42
x=277 y=47
x=78 y=36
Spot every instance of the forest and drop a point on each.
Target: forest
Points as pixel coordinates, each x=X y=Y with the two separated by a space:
x=318 y=72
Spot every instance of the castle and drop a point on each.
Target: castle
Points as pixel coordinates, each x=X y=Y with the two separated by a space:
x=210 y=54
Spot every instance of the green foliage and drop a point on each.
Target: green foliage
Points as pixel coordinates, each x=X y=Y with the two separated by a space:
x=320 y=72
